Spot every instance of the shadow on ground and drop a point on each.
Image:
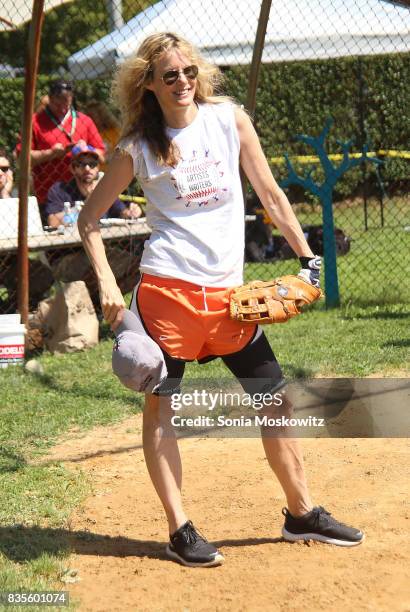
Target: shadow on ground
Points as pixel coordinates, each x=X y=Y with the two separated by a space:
x=19 y=543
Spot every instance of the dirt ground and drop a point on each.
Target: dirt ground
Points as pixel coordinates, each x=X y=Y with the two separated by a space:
x=235 y=501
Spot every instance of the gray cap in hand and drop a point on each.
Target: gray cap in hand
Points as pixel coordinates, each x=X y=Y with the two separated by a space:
x=136 y=359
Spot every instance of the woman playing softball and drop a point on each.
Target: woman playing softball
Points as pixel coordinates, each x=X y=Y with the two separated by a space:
x=185 y=145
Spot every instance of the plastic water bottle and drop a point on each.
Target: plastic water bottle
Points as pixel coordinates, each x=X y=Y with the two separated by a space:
x=67 y=219
x=71 y=212
x=78 y=204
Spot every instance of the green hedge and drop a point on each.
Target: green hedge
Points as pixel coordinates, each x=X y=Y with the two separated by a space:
x=294 y=97
x=297 y=97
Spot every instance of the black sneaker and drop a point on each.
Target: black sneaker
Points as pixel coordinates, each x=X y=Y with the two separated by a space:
x=318 y=524
x=188 y=547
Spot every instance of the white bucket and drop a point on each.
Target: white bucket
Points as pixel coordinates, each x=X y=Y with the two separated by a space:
x=12 y=344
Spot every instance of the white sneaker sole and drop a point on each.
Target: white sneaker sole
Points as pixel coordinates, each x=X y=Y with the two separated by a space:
x=218 y=559
x=295 y=537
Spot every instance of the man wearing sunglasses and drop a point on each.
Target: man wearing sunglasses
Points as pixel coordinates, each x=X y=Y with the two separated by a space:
x=84 y=167
x=6 y=175
x=72 y=264
x=56 y=129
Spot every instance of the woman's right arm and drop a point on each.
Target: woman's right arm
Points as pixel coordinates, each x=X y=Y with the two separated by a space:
x=117 y=177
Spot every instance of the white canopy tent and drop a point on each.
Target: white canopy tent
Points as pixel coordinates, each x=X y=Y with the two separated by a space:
x=224 y=30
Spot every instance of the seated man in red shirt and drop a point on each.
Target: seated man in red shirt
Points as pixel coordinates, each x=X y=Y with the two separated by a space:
x=84 y=167
x=56 y=129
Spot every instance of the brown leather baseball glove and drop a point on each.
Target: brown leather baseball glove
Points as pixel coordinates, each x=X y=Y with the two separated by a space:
x=274 y=301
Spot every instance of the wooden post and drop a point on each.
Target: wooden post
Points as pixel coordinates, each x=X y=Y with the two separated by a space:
x=255 y=69
x=257 y=55
x=32 y=56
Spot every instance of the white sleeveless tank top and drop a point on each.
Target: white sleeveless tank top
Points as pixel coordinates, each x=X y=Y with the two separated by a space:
x=196 y=209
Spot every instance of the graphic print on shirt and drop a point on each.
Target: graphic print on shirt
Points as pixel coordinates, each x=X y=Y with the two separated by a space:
x=199 y=179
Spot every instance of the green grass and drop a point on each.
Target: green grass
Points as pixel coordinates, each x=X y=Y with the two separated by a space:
x=367 y=335
x=36 y=500
x=80 y=391
x=351 y=342
x=376 y=269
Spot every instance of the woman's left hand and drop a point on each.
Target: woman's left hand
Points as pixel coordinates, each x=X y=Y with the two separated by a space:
x=310 y=271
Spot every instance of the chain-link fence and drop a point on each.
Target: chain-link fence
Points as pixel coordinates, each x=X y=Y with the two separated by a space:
x=342 y=59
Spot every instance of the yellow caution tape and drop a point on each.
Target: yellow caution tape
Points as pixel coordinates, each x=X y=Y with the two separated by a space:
x=128 y=198
x=308 y=159
x=402 y=154
x=303 y=159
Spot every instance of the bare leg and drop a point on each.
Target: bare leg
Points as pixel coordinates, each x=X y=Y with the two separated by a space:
x=162 y=458
x=285 y=458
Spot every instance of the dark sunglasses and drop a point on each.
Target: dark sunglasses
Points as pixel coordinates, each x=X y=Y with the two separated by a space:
x=83 y=164
x=4 y=168
x=172 y=76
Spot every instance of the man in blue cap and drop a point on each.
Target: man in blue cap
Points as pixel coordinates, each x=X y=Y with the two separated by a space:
x=85 y=167
x=72 y=264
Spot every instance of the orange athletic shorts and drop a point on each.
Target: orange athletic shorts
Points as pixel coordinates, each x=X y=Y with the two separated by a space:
x=189 y=321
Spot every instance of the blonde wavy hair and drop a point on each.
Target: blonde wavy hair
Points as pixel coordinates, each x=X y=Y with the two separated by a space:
x=140 y=111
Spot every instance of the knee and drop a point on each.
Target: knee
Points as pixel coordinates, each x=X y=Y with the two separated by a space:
x=275 y=418
x=277 y=407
